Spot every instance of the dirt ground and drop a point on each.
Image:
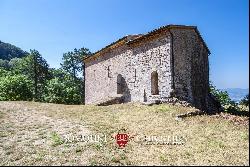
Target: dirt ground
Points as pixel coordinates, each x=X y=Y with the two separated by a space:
x=36 y=134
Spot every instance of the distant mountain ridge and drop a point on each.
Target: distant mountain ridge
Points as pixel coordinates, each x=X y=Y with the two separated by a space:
x=9 y=51
x=236 y=94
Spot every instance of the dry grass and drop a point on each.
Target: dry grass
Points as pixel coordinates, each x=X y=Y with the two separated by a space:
x=32 y=134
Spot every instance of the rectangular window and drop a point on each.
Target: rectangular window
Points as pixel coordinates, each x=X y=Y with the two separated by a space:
x=135 y=74
x=109 y=75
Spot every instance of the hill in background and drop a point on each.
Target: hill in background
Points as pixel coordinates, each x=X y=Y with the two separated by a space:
x=236 y=94
x=9 y=51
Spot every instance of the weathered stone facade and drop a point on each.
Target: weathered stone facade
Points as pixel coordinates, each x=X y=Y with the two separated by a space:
x=171 y=61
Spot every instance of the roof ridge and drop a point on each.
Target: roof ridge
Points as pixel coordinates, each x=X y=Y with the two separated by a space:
x=141 y=36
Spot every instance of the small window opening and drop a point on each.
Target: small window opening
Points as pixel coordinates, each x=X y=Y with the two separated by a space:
x=154 y=83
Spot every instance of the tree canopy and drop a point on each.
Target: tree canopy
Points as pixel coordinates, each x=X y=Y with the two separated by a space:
x=27 y=76
x=73 y=61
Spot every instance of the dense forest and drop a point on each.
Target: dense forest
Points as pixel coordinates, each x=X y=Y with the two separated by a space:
x=27 y=76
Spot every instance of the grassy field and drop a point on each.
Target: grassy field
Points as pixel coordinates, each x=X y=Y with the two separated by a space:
x=36 y=134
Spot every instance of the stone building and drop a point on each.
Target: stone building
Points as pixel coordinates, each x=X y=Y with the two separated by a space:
x=171 y=61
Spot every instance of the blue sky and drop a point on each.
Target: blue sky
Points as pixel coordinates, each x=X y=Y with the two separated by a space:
x=54 y=27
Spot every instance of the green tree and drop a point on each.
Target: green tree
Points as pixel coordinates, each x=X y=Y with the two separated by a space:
x=4 y=64
x=35 y=67
x=21 y=66
x=74 y=65
x=16 y=87
x=73 y=61
x=3 y=72
x=229 y=105
x=62 y=89
x=57 y=73
x=222 y=96
x=245 y=101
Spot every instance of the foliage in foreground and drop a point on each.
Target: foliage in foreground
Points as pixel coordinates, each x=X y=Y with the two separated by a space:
x=229 y=105
x=220 y=95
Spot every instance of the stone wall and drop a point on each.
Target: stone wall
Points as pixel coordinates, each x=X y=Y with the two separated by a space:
x=191 y=73
x=135 y=63
x=177 y=56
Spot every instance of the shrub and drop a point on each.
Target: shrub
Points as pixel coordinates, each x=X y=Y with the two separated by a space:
x=16 y=87
x=62 y=91
x=224 y=99
x=221 y=96
x=245 y=101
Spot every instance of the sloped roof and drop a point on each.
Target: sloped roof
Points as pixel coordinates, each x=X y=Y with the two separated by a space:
x=130 y=39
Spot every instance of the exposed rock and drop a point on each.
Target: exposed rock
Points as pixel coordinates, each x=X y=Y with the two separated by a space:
x=110 y=100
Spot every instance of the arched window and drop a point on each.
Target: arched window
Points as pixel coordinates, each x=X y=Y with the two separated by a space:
x=120 y=84
x=154 y=83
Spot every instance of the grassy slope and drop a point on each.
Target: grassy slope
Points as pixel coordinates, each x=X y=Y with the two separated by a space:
x=210 y=140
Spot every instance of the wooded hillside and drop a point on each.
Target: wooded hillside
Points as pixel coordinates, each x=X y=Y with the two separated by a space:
x=9 y=51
